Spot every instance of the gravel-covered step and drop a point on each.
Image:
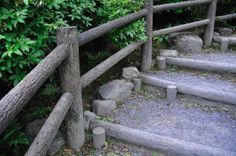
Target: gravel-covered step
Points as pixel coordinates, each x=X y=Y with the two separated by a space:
x=222 y=62
x=183 y=120
x=209 y=87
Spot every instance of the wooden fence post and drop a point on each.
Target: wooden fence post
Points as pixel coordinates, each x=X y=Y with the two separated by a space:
x=211 y=15
x=70 y=82
x=147 y=47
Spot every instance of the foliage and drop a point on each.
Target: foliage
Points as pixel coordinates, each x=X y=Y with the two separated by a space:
x=14 y=139
x=113 y=9
x=27 y=31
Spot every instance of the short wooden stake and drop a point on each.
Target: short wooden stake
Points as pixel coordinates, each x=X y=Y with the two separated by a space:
x=224 y=44
x=171 y=93
x=70 y=82
x=99 y=137
x=161 y=62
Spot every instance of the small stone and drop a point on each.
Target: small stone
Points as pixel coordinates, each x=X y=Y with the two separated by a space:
x=137 y=84
x=130 y=73
x=116 y=90
x=104 y=107
x=225 y=31
x=99 y=137
x=168 y=53
x=88 y=117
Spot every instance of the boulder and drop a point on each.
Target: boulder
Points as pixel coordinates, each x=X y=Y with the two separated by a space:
x=103 y=107
x=130 y=73
x=115 y=90
x=225 y=31
x=168 y=53
x=188 y=43
x=34 y=127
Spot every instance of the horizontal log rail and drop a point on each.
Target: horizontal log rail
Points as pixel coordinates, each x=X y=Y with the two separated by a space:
x=100 y=30
x=12 y=103
x=164 y=7
x=181 y=27
x=49 y=130
x=97 y=71
x=96 y=32
x=226 y=17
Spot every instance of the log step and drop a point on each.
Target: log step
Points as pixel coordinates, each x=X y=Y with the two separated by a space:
x=202 y=64
x=209 y=87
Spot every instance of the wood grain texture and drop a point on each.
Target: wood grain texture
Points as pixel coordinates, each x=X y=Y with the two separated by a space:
x=70 y=82
x=181 y=27
x=49 y=130
x=164 y=7
x=97 y=71
x=12 y=103
x=147 y=47
x=100 y=30
x=211 y=15
x=226 y=17
x=155 y=141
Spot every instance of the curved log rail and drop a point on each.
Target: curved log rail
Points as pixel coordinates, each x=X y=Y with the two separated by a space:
x=66 y=56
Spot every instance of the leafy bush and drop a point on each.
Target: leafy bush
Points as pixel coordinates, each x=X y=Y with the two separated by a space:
x=27 y=31
x=113 y=9
x=14 y=140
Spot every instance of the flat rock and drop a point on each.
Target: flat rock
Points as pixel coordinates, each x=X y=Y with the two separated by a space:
x=189 y=43
x=225 y=31
x=116 y=90
x=168 y=53
x=130 y=73
x=103 y=107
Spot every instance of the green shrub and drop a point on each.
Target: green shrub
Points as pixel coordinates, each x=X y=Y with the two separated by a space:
x=27 y=31
x=113 y=9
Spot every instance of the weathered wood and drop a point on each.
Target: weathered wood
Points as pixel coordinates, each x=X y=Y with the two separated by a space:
x=163 y=7
x=210 y=27
x=12 y=103
x=100 y=30
x=181 y=27
x=203 y=65
x=226 y=17
x=97 y=71
x=70 y=82
x=49 y=130
x=147 y=47
x=154 y=141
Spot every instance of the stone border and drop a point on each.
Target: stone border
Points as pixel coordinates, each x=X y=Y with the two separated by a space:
x=199 y=64
x=154 y=141
x=192 y=90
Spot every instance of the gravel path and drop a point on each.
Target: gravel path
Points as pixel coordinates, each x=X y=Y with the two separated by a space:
x=228 y=57
x=208 y=81
x=147 y=112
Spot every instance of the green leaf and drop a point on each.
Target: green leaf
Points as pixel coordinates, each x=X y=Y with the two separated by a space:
x=2 y=37
x=26 y=2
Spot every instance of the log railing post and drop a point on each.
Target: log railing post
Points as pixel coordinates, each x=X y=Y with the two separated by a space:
x=147 y=47
x=70 y=82
x=211 y=15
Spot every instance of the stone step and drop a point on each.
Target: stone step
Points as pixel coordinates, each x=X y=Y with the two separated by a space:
x=220 y=62
x=209 y=87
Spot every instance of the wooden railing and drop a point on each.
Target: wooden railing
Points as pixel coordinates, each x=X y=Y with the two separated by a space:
x=66 y=57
